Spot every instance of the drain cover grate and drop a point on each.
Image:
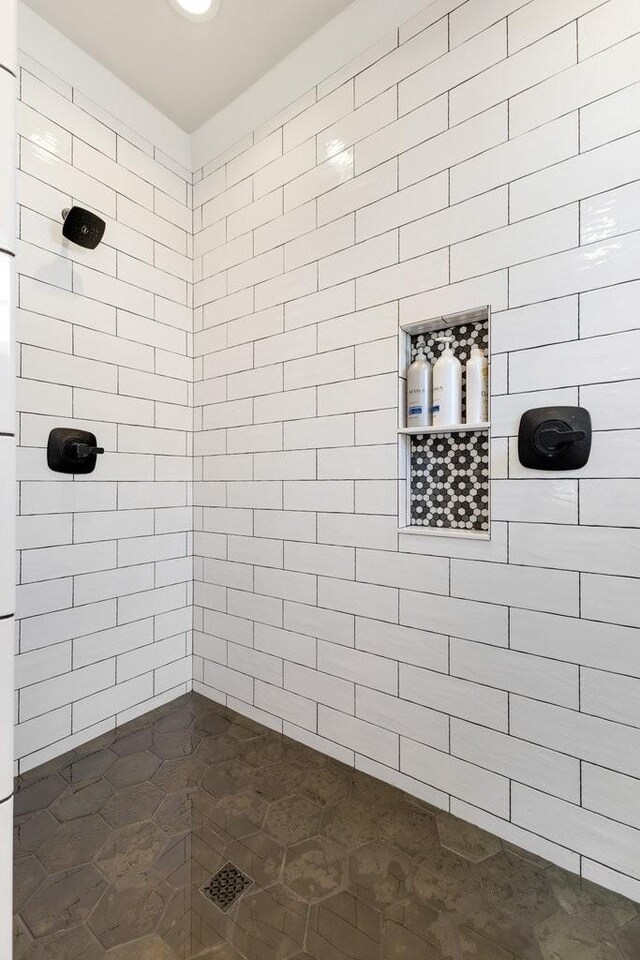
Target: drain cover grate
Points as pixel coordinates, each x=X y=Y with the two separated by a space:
x=226 y=886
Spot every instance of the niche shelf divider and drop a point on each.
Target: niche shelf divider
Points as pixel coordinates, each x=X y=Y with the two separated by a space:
x=445 y=471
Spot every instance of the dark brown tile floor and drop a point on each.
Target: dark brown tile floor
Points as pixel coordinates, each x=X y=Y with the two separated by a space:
x=116 y=842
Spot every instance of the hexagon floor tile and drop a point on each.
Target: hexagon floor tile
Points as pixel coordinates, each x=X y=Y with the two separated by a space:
x=116 y=843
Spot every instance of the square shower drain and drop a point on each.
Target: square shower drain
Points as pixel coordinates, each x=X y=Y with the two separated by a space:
x=226 y=886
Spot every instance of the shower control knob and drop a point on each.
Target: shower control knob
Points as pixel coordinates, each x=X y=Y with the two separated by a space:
x=549 y=437
x=555 y=438
x=81 y=450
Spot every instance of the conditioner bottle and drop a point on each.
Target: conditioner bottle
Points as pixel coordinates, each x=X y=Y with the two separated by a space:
x=447 y=387
x=477 y=387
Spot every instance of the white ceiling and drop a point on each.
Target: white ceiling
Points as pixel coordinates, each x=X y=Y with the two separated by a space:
x=188 y=70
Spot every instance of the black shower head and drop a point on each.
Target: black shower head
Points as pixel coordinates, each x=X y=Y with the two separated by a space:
x=83 y=227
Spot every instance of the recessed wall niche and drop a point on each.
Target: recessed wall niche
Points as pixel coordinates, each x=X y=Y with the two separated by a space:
x=445 y=486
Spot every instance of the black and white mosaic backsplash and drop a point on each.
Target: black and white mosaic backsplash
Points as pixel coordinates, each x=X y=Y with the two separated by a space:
x=450 y=472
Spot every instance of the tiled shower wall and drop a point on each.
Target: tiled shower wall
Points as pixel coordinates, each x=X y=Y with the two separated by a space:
x=105 y=564
x=486 y=153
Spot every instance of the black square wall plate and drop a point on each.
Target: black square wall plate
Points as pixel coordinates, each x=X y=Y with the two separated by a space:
x=555 y=438
x=60 y=451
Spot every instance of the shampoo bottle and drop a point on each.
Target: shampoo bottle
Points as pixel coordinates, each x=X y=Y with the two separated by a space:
x=419 y=392
x=477 y=387
x=447 y=387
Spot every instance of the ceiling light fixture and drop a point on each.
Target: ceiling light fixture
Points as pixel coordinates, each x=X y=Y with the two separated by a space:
x=198 y=10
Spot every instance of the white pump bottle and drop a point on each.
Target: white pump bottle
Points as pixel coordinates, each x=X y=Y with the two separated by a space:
x=419 y=392
x=477 y=387
x=447 y=386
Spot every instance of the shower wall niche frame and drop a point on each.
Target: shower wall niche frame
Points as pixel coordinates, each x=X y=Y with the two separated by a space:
x=462 y=453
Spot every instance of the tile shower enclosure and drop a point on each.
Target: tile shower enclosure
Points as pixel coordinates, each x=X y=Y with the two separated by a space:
x=484 y=153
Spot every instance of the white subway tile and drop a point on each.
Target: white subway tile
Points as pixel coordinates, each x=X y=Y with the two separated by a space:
x=451 y=70
x=364 y=738
x=592 y=549
x=482 y=215
x=316 y=622
x=284 y=169
x=530 y=676
x=366 y=669
x=575 y=87
x=534 y=20
x=464 y=780
x=402 y=717
x=597 y=360
x=483 y=621
x=400 y=208
x=433 y=12
x=359 y=463
x=575 y=271
x=566 y=859
x=517 y=243
x=40 y=698
x=451 y=695
x=319 y=180
x=517 y=73
x=359 y=64
x=413 y=55
x=428 y=574
x=532 y=588
x=597 y=645
x=361 y=123
x=611 y=794
x=609 y=118
x=40 y=631
x=536 y=325
x=328 y=690
x=66 y=114
x=294 y=648
x=293 y=284
x=320 y=243
x=523 y=155
x=576 y=734
x=524 y=762
x=289 y=706
x=603 y=840
x=610 y=503
x=476 y=16
x=255 y=214
x=335 y=431
x=253 y=663
x=358 y=598
x=474 y=137
x=285 y=584
x=329 y=495
x=288 y=227
x=491 y=289
x=407 y=278
x=364 y=258
x=315 y=118
x=533 y=501
x=610 y=695
x=607 y=26
x=399 y=136
x=323 y=305
x=589 y=173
